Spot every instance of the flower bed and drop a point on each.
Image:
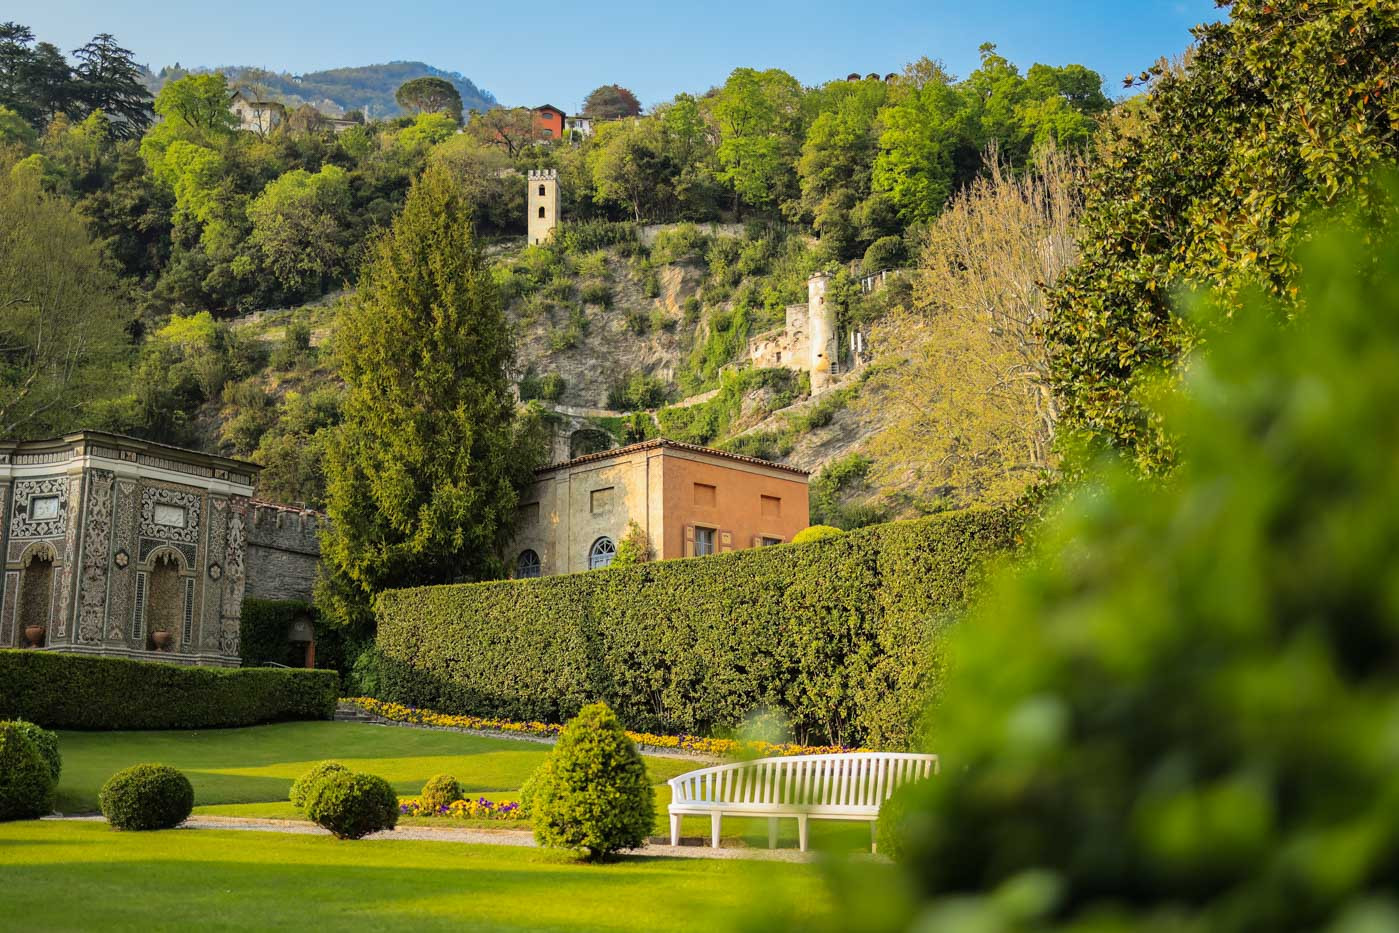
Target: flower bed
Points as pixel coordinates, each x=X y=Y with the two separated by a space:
x=716 y=748
x=478 y=809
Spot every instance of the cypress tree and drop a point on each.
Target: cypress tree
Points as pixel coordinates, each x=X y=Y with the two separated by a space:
x=422 y=479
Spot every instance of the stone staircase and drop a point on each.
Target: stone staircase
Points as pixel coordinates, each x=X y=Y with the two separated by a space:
x=349 y=712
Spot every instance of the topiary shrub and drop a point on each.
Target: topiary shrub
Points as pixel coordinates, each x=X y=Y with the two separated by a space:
x=352 y=805
x=439 y=791
x=45 y=742
x=301 y=788
x=26 y=780
x=146 y=797
x=816 y=533
x=592 y=792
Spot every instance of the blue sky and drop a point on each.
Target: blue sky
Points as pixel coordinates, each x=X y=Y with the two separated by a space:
x=546 y=52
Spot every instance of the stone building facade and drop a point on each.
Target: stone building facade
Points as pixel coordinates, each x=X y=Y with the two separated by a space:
x=118 y=546
x=284 y=551
x=689 y=501
x=808 y=343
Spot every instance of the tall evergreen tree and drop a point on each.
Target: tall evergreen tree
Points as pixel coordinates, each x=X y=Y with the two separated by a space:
x=108 y=80
x=422 y=480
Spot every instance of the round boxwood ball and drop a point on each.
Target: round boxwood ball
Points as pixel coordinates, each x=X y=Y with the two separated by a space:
x=45 y=741
x=302 y=787
x=146 y=797
x=816 y=533
x=439 y=791
x=26 y=781
x=352 y=805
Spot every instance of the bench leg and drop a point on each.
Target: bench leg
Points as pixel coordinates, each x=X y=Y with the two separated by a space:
x=772 y=832
x=801 y=833
x=675 y=829
x=714 y=820
x=874 y=839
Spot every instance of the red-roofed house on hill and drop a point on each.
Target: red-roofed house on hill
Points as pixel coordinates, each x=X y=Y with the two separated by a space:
x=549 y=122
x=690 y=501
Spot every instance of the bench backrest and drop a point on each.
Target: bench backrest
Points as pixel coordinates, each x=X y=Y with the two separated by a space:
x=855 y=779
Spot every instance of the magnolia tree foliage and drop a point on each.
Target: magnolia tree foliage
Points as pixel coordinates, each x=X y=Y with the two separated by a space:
x=1179 y=714
x=423 y=476
x=1203 y=181
x=611 y=102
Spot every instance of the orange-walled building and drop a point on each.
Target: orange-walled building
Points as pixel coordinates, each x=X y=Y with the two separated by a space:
x=690 y=501
x=549 y=122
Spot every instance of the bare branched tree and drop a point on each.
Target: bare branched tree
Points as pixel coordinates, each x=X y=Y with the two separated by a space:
x=973 y=414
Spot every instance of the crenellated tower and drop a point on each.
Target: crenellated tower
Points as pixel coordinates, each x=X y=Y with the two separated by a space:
x=543 y=204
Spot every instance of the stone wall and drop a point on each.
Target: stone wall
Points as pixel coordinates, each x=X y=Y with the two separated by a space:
x=284 y=551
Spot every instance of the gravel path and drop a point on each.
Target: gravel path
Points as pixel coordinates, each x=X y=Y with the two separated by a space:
x=490 y=837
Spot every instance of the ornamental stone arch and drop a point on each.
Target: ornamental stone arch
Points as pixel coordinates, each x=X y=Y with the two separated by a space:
x=165 y=585
x=38 y=563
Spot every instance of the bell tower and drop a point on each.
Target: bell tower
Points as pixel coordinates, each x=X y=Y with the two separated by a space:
x=543 y=204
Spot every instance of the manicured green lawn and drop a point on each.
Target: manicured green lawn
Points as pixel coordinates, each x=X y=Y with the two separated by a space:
x=248 y=772
x=83 y=876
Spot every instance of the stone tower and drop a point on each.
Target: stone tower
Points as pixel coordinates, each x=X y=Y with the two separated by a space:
x=821 y=326
x=543 y=204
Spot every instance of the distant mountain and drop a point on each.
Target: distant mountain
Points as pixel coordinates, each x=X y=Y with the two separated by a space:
x=369 y=88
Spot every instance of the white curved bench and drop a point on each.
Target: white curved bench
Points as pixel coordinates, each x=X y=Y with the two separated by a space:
x=848 y=786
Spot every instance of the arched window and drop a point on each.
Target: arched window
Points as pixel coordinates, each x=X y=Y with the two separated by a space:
x=541 y=191
x=36 y=592
x=602 y=552
x=527 y=565
x=541 y=210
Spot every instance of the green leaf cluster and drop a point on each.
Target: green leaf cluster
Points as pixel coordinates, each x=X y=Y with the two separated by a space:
x=146 y=797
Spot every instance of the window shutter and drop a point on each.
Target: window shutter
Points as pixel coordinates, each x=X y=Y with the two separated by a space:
x=689 y=540
x=726 y=542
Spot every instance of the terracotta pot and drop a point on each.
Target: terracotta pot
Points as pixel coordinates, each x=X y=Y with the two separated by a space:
x=35 y=634
x=161 y=639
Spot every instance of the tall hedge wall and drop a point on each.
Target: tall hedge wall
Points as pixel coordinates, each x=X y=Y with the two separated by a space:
x=68 y=691
x=840 y=635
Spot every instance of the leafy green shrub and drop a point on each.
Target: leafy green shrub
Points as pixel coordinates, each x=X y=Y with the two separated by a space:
x=596 y=292
x=145 y=797
x=1180 y=713
x=636 y=391
x=45 y=742
x=900 y=819
x=439 y=791
x=548 y=387
x=887 y=252
x=593 y=265
x=638 y=322
x=691 y=310
x=302 y=787
x=560 y=288
x=840 y=636
x=682 y=243
x=592 y=793
x=816 y=533
x=352 y=805
x=590 y=235
x=66 y=691
x=26 y=779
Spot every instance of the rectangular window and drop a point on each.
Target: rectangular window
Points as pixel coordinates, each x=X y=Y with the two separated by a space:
x=43 y=508
x=705 y=495
x=769 y=542
x=600 y=500
x=704 y=541
x=772 y=507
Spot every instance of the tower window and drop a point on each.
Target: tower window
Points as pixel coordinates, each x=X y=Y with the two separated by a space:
x=541 y=191
x=541 y=210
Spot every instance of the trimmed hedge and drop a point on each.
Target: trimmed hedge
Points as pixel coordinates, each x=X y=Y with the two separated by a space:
x=146 y=797
x=68 y=691
x=838 y=636
x=352 y=805
x=26 y=779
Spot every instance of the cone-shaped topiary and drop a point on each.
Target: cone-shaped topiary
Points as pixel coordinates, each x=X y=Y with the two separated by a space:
x=301 y=788
x=592 y=793
x=439 y=791
x=352 y=805
x=26 y=780
x=146 y=797
x=45 y=742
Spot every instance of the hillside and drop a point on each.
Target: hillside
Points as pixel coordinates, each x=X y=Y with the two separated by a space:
x=616 y=343
x=367 y=88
